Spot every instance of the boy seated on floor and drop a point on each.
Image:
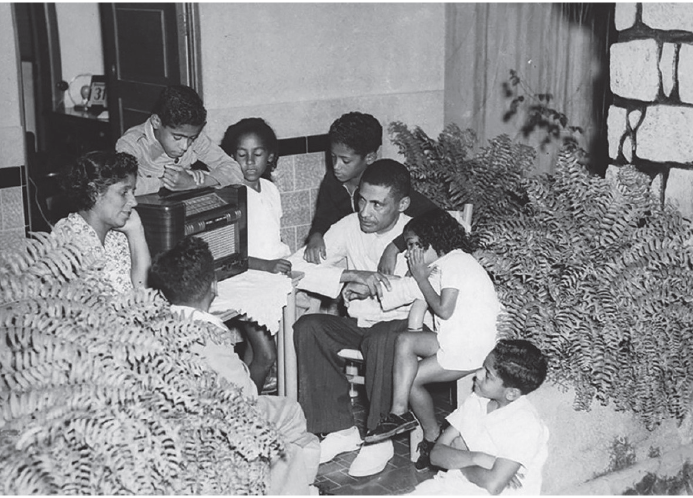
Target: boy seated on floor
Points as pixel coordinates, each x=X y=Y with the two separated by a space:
x=496 y=442
x=185 y=276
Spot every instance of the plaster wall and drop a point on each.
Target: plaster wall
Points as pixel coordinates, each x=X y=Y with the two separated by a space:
x=301 y=66
x=81 y=47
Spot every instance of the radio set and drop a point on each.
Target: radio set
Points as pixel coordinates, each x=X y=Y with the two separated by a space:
x=218 y=216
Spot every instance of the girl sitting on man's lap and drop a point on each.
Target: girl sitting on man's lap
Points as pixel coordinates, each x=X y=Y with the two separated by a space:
x=462 y=299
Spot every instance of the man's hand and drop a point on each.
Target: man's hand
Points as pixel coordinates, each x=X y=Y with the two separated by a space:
x=315 y=249
x=178 y=178
x=355 y=291
x=388 y=260
x=418 y=269
x=371 y=279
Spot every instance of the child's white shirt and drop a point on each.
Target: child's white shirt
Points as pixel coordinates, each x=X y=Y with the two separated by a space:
x=469 y=334
x=264 y=222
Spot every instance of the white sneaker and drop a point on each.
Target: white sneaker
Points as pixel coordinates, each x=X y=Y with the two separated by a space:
x=339 y=442
x=372 y=459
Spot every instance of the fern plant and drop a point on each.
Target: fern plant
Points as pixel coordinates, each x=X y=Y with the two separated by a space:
x=100 y=394
x=596 y=272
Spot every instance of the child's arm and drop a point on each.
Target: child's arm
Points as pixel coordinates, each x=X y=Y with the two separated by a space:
x=442 y=305
x=388 y=260
x=484 y=470
x=451 y=452
x=416 y=314
x=270 y=265
x=223 y=169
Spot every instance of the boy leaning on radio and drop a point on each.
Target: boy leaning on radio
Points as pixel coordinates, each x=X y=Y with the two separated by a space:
x=171 y=141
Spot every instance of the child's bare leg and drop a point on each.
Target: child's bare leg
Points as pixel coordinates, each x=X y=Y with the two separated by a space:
x=420 y=399
x=263 y=354
x=408 y=348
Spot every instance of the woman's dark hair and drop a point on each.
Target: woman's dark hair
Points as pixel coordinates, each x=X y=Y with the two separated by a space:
x=92 y=174
x=180 y=105
x=519 y=364
x=438 y=229
x=259 y=127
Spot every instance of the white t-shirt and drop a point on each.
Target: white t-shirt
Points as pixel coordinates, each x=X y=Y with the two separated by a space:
x=514 y=432
x=264 y=222
x=362 y=251
x=470 y=333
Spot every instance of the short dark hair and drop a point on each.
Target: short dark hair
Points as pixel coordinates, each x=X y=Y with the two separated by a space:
x=438 y=229
x=183 y=274
x=180 y=105
x=92 y=174
x=520 y=364
x=360 y=132
x=252 y=125
x=388 y=173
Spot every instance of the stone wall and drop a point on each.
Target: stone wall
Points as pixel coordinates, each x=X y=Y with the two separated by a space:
x=650 y=123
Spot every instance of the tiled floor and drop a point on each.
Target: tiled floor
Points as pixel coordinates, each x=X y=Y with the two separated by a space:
x=399 y=476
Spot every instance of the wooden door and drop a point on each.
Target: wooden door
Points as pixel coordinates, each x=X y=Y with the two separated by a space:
x=147 y=46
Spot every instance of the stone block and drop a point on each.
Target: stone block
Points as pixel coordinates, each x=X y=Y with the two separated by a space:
x=679 y=191
x=668 y=16
x=667 y=68
x=634 y=72
x=666 y=134
x=616 y=128
x=624 y=15
x=685 y=73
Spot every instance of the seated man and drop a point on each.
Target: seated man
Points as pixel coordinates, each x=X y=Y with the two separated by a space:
x=496 y=442
x=185 y=276
x=361 y=238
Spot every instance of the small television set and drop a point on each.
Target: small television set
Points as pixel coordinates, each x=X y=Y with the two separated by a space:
x=216 y=215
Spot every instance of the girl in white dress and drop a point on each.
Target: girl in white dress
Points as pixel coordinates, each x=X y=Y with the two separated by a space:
x=253 y=144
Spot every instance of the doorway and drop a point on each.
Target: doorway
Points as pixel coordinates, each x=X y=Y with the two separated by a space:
x=56 y=133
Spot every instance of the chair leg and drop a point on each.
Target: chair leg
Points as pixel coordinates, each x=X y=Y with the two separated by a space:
x=415 y=437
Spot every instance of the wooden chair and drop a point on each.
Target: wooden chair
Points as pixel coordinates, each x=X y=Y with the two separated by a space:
x=355 y=358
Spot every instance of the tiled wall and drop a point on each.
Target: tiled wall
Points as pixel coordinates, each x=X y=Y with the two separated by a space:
x=12 y=221
x=300 y=169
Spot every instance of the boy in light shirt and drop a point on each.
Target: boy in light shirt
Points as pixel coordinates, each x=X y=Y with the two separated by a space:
x=496 y=442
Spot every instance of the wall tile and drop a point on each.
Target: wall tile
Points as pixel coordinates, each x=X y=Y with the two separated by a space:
x=679 y=190
x=288 y=236
x=310 y=169
x=283 y=175
x=12 y=208
x=296 y=208
x=11 y=239
x=301 y=234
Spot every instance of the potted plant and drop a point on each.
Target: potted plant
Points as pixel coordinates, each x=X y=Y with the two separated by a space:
x=100 y=394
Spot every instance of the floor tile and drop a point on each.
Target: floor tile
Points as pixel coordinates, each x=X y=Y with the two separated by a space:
x=399 y=476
